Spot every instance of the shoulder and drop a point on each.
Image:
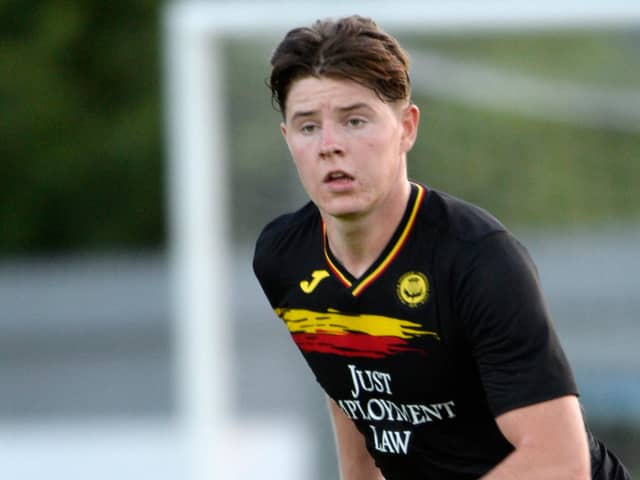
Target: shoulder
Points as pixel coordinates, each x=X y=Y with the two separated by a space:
x=287 y=235
x=472 y=239
x=458 y=219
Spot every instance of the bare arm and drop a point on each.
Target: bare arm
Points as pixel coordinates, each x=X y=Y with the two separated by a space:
x=550 y=442
x=354 y=460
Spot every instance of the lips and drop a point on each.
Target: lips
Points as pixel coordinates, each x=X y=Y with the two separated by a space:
x=337 y=176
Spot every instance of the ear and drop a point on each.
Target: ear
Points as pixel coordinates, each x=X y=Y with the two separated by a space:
x=410 y=120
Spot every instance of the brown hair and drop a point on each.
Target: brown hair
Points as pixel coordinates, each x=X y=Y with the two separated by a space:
x=352 y=48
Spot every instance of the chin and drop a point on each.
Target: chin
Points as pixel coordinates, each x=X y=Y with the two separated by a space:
x=342 y=211
x=345 y=206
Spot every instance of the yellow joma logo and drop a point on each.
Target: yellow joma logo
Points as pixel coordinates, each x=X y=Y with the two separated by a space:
x=316 y=277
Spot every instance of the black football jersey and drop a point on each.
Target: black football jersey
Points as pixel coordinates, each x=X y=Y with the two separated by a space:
x=446 y=330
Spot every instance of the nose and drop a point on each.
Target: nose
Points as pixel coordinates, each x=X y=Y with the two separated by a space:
x=330 y=141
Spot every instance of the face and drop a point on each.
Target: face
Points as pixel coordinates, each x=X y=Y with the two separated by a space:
x=349 y=147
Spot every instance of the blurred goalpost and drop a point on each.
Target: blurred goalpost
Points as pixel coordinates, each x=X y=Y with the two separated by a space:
x=197 y=178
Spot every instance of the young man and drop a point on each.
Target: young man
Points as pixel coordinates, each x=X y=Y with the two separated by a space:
x=419 y=314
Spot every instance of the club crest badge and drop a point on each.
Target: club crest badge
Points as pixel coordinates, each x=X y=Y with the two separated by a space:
x=413 y=289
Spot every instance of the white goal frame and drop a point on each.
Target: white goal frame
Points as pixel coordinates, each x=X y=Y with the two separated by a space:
x=197 y=176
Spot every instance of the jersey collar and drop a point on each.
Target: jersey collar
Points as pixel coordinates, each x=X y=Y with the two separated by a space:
x=399 y=238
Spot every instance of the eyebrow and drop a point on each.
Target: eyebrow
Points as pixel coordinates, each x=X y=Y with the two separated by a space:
x=346 y=109
x=302 y=114
x=355 y=106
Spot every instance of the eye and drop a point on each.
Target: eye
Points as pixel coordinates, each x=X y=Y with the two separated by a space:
x=356 y=122
x=308 y=128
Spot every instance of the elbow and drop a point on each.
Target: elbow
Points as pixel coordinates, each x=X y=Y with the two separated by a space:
x=583 y=473
x=578 y=470
x=580 y=467
x=574 y=465
x=579 y=475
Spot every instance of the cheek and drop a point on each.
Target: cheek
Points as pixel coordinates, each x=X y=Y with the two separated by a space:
x=387 y=138
x=301 y=156
x=303 y=163
x=385 y=145
x=298 y=153
x=300 y=147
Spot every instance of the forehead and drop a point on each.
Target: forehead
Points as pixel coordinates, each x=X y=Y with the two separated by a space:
x=316 y=93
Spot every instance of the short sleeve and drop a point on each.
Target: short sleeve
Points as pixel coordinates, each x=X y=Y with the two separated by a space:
x=265 y=268
x=508 y=326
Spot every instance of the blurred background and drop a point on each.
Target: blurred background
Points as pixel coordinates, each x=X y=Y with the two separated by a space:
x=541 y=128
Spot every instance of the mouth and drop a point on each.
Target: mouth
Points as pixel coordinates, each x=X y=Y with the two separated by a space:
x=337 y=176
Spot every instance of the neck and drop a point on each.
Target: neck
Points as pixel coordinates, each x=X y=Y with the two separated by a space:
x=358 y=242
